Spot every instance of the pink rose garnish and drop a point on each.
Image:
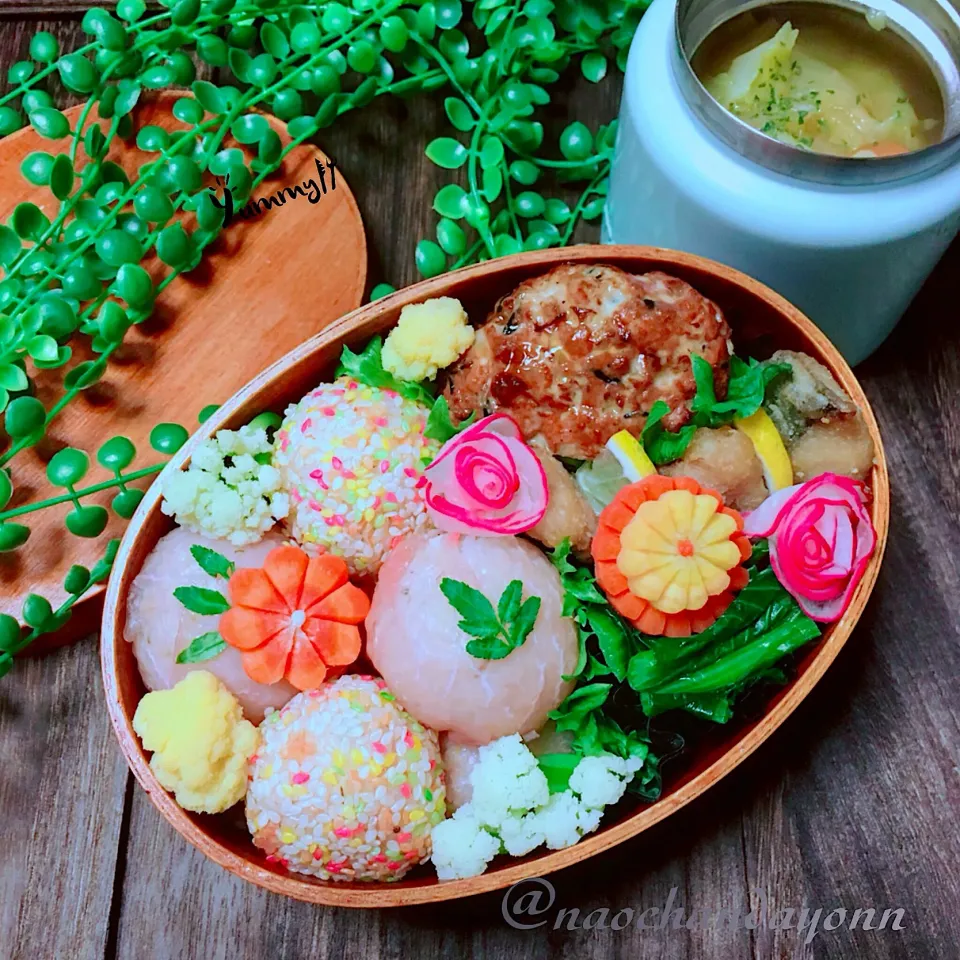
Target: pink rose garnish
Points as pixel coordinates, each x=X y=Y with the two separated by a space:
x=821 y=538
x=486 y=481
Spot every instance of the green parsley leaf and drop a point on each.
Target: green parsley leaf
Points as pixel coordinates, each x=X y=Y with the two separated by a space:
x=201 y=600
x=213 y=563
x=497 y=632
x=205 y=647
x=661 y=445
x=573 y=711
x=439 y=425
x=367 y=367
x=746 y=390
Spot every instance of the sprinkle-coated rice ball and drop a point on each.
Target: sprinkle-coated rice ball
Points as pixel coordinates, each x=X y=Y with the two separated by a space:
x=345 y=785
x=351 y=458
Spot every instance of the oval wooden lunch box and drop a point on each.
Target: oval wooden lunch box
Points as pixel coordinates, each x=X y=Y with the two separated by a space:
x=761 y=320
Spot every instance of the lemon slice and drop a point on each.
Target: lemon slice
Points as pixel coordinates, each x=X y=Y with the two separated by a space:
x=631 y=456
x=766 y=440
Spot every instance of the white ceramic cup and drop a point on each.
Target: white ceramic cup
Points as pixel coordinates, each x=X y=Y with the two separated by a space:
x=851 y=254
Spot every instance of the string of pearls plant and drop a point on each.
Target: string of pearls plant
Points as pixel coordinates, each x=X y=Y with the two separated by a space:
x=79 y=273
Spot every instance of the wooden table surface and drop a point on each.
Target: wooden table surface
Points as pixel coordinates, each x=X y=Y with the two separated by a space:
x=853 y=804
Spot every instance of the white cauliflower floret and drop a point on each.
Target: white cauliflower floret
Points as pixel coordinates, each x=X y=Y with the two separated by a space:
x=512 y=807
x=462 y=847
x=227 y=493
x=506 y=778
x=602 y=781
x=520 y=835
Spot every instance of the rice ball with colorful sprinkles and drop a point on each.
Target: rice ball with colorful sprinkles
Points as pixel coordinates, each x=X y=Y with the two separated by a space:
x=345 y=784
x=351 y=458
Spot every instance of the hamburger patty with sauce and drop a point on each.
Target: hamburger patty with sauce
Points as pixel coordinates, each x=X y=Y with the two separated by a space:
x=584 y=351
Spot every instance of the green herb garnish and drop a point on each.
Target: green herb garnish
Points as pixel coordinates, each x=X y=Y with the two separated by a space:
x=439 y=425
x=212 y=563
x=205 y=647
x=661 y=445
x=202 y=600
x=497 y=632
x=367 y=367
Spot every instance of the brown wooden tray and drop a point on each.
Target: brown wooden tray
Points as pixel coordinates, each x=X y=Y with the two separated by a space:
x=266 y=285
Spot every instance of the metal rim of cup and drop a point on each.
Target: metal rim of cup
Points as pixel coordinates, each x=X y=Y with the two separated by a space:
x=932 y=27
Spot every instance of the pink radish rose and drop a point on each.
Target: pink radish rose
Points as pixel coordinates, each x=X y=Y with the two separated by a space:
x=821 y=539
x=486 y=481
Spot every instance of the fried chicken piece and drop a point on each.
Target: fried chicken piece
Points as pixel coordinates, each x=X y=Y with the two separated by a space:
x=586 y=350
x=568 y=513
x=724 y=460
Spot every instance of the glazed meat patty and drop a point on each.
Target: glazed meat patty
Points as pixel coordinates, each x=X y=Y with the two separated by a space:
x=584 y=351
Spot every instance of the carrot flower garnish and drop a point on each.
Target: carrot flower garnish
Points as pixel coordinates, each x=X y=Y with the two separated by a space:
x=295 y=618
x=669 y=555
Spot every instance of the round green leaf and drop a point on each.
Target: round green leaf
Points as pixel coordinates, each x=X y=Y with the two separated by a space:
x=117 y=453
x=152 y=205
x=448 y=201
x=594 y=66
x=10 y=121
x=10 y=246
x=77 y=579
x=381 y=290
x=305 y=37
x=576 y=141
x=448 y=13
x=36 y=610
x=6 y=488
x=184 y=12
x=117 y=247
x=459 y=113
x=12 y=536
x=84 y=375
x=430 y=259
x=44 y=47
x=325 y=80
x=133 y=283
x=209 y=96
x=24 y=416
x=80 y=282
x=529 y=204
x=524 y=172
x=447 y=153
x=173 y=246
x=492 y=183
x=58 y=318
x=43 y=348
x=336 y=18
x=12 y=378
x=77 y=73
x=156 y=78
x=249 y=128
x=207 y=412
x=131 y=10
x=188 y=110
x=212 y=50
x=361 y=56
x=491 y=153
x=125 y=503
x=394 y=34
x=168 y=438
x=262 y=70
x=29 y=221
x=20 y=71
x=61 y=177
x=556 y=211
x=270 y=148
x=105 y=28
x=67 y=467
x=87 y=521
x=274 y=40
x=153 y=139
x=451 y=237
x=593 y=209
x=287 y=104
x=128 y=93
x=10 y=632
x=112 y=322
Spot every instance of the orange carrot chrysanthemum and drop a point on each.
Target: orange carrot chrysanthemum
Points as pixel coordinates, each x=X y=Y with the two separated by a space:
x=669 y=555
x=296 y=618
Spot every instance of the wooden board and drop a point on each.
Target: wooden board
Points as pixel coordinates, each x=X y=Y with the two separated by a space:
x=266 y=285
x=756 y=314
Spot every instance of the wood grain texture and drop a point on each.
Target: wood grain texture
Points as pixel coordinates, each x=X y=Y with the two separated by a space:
x=853 y=802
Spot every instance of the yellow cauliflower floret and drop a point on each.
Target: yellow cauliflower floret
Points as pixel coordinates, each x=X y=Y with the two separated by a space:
x=200 y=742
x=428 y=337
